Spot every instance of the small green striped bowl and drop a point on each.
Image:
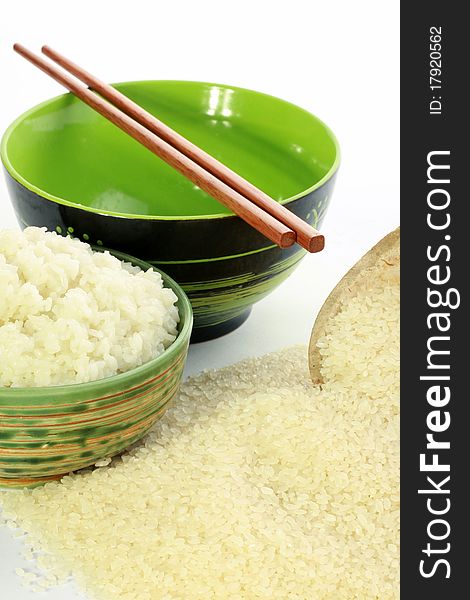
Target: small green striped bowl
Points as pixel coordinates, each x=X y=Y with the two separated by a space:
x=48 y=432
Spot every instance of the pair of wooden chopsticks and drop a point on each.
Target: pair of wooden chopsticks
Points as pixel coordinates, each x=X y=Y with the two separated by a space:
x=263 y=213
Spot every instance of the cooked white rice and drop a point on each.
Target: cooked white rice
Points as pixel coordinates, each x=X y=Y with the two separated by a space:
x=70 y=315
x=257 y=485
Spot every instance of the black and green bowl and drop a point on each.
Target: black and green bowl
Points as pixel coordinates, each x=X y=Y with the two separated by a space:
x=72 y=171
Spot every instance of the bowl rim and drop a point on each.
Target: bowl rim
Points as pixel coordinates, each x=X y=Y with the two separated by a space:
x=186 y=316
x=37 y=190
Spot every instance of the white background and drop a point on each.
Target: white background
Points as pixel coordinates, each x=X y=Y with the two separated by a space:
x=338 y=59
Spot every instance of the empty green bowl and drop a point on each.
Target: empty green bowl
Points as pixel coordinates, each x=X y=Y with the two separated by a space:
x=48 y=432
x=72 y=171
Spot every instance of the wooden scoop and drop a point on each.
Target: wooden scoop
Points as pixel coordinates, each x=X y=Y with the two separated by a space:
x=384 y=255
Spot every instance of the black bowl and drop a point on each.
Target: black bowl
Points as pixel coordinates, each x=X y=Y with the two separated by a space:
x=70 y=170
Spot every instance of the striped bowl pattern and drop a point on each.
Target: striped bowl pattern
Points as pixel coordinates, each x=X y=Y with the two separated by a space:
x=48 y=432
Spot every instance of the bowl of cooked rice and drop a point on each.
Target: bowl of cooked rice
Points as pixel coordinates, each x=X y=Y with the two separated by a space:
x=92 y=350
x=72 y=171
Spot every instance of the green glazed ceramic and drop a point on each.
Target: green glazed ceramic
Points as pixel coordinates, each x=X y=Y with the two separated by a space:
x=72 y=171
x=48 y=432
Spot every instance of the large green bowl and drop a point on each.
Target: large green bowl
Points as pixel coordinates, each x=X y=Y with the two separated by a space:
x=72 y=171
x=48 y=432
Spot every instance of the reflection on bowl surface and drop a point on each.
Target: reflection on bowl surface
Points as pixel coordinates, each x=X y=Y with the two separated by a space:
x=48 y=432
x=72 y=171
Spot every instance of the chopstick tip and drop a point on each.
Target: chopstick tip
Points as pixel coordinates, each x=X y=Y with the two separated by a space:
x=316 y=243
x=288 y=239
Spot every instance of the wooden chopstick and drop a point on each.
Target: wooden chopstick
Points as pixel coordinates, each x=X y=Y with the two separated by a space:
x=266 y=224
x=306 y=235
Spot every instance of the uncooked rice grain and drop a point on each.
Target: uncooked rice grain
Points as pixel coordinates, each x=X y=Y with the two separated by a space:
x=71 y=315
x=256 y=485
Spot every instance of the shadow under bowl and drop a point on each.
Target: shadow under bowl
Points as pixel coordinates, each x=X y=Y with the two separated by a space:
x=47 y=432
x=70 y=170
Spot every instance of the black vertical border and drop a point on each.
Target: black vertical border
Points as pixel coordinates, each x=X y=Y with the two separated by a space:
x=422 y=133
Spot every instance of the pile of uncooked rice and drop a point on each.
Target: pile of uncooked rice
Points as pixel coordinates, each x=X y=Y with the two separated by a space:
x=70 y=315
x=256 y=485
